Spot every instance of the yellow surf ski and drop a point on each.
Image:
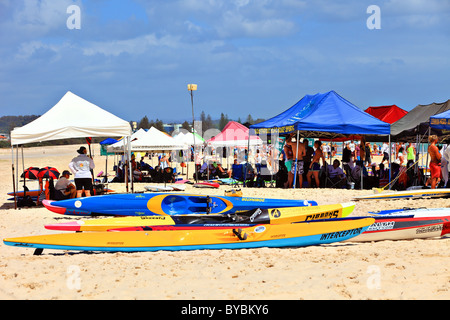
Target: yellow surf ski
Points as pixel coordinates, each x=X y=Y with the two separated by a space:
x=282 y=235
x=257 y=216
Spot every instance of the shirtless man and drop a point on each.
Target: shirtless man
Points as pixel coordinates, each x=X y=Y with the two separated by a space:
x=435 y=162
x=297 y=154
x=315 y=165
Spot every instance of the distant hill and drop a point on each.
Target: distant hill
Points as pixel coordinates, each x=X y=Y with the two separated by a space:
x=7 y=123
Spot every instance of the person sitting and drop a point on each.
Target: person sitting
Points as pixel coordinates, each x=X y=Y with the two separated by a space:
x=137 y=174
x=64 y=189
x=222 y=172
x=336 y=174
x=144 y=166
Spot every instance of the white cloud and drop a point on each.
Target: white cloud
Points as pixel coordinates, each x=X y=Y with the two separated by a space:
x=138 y=45
x=236 y=25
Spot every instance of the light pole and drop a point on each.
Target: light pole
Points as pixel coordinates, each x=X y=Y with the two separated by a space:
x=191 y=89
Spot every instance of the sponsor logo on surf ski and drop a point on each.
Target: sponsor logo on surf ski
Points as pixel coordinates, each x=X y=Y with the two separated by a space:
x=152 y=218
x=429 y=229
x=385 y=225
x=77 y=204
x=254 y=199
x=275 y=213
x=260 y=229
x=340 y=234
x=323 y=215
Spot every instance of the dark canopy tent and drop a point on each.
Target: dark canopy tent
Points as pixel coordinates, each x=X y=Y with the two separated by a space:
x=319 y=113
x=416 y=122
x=389 y=114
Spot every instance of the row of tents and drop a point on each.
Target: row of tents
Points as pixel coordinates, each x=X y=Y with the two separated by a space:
x=316 y=115
x=74 y=117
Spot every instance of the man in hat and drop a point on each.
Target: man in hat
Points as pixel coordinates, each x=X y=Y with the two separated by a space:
x=81 y=167
x=64 y=188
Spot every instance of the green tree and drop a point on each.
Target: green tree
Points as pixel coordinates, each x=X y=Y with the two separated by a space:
x=159 y=124
x=250 y=119
x=185 y=125
x=144 y=123
x=223 y=121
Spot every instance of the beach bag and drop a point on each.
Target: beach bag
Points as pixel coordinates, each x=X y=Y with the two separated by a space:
x=26 y=202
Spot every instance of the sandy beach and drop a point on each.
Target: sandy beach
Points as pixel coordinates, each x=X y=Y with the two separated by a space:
x=417 y=269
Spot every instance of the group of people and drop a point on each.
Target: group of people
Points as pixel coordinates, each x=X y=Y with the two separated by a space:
x=302 y=159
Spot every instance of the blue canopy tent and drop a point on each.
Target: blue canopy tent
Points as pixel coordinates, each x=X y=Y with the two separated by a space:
x=327 y=112
x=441 y=121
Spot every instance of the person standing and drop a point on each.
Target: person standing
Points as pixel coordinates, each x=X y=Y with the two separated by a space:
x=435 y=162
x=314 y=167
x=410 y=155
x=368 y=154
x=81 y=167
x=297 y=164
x=385 y=152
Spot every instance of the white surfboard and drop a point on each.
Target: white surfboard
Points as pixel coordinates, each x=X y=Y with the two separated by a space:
x=407 y=194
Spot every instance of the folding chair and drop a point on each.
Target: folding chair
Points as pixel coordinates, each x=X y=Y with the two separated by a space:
x=237 y=174
x=348 y=174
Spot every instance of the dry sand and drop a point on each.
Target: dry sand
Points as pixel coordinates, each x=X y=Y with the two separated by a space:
x=416 y=269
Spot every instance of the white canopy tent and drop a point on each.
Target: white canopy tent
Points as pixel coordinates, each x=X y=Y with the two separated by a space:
x=71 y=117
x=152 y=140
x=188 y=138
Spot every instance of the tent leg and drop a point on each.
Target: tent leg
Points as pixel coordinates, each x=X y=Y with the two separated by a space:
x=129 y=164
x=13 y=177
x=246 y=160
x=390 y=167
x=296 y=159
x=17 y=166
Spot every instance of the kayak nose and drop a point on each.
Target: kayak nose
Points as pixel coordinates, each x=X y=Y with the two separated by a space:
x=56 y=209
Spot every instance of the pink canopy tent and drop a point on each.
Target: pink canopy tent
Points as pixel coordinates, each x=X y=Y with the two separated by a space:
x=234 y=134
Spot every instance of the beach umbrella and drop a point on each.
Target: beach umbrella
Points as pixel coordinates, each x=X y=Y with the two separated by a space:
x=31 y=173
x=48 y=172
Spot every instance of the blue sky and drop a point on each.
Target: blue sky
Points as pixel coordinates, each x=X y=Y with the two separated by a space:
x=135 y=57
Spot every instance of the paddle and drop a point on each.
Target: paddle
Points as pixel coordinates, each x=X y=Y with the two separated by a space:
x=89 y=141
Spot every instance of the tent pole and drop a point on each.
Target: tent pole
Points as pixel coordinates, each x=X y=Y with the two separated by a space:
x=246 y=159
x=390 y=167
x=129 y=164
x=428 y=142
x=296 y=159
x=23 y=170
x=17 y=167
x=125 y=165
x=13 y=176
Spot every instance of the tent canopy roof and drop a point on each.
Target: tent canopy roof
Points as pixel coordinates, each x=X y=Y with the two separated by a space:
x=441 y=120
x=234 y=134
x=188 y=138
x=152 y=140
x=327 y=112
x=418 y=115
x=71 y=117
x=389 y=114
